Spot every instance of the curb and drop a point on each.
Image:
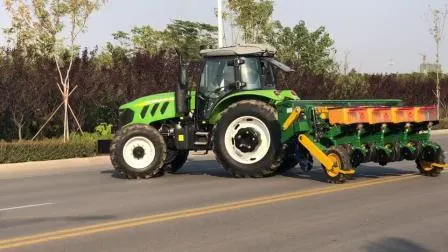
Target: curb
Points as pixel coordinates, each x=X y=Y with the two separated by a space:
x=56 y=164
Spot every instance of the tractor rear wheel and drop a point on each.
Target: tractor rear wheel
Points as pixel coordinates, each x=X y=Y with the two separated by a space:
x=246 y=140
x=138 y=151
x=175 y=160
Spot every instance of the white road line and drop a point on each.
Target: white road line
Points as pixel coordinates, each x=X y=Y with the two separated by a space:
x=27 y=206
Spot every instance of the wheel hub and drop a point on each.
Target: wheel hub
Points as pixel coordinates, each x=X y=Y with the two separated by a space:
x=138 y=152
x=247 y=140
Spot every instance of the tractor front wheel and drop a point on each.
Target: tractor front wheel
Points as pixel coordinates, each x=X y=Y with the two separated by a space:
x=138 y=151
x=246 y=141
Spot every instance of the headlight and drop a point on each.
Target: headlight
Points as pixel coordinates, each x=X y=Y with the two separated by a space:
x=125 y=116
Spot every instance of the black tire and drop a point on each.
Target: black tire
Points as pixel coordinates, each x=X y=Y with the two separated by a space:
x=435 y=172
x=175 y=160
x=289 y=162
x=266 y=166
x=290 y=159
x=154 y=169
x=345 y=164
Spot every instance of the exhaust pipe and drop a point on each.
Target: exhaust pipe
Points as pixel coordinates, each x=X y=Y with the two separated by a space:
x=181 y=91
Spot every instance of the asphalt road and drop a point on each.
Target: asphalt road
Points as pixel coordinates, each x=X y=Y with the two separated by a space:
x=203 y=209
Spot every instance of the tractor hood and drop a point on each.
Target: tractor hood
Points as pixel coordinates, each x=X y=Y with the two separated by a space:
x=148 y=109
x=149 y=100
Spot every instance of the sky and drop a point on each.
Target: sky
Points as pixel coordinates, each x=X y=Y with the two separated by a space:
x=380 y=36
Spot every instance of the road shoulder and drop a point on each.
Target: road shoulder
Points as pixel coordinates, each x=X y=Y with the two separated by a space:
x=55 y=164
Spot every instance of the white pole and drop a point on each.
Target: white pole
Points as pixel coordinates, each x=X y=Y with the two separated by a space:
x=220 y=25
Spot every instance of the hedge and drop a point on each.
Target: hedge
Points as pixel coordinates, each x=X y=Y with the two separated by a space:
x=49 y=149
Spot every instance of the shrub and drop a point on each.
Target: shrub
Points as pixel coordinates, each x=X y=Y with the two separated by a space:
x=49 y=149
x=443 y=124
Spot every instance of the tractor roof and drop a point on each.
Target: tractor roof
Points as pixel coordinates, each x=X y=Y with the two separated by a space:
x=251 y=49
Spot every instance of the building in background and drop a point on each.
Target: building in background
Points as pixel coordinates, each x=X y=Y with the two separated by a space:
x=426 y=67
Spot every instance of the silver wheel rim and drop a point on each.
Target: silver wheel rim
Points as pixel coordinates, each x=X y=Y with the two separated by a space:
x=129 y=152
x=260 y=151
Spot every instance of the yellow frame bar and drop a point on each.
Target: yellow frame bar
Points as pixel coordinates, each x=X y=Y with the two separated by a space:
x=442 y=166
x=321 y=156
x=292 y=118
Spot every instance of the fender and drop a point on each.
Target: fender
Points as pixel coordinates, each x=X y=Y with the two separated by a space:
x=271 y=96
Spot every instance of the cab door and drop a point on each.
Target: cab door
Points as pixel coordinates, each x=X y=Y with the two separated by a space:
x=217 y=75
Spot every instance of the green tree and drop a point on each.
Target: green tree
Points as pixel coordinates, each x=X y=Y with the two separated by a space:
x=350 y=86
x=253 y=17
x=308 y=51
x=111 y=55
x=187 y=36
x=39 y=24
x=145 y=38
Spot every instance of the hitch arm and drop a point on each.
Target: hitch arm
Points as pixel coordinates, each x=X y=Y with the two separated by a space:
x=321 y=156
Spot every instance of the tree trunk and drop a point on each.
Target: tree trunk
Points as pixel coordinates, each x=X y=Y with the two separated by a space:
x=19 y=124
x=438 y=80
x=19 y=128
x=66 y=128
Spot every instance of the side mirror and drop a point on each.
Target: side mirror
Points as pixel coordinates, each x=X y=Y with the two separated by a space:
x=235 y=62
x=239 y=62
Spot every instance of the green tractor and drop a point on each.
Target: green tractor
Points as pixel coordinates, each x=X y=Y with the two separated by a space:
x=232 y=112
x=256 y=130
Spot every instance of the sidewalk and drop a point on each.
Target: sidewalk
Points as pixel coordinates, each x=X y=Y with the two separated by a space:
x=439 y=132
x=56 y=164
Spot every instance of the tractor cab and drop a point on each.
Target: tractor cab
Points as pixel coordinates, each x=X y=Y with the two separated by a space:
x=233 y=69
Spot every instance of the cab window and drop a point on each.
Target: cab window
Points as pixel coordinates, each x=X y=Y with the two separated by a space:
x=251 y=72
x=217 y=75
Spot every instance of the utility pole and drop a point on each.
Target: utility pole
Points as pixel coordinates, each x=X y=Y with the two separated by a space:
x=437 y=32
x=346 y=62
x=220 y=25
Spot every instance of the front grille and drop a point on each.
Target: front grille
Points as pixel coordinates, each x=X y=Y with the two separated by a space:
x=126 y=116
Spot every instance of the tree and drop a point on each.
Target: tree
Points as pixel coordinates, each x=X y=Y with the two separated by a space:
x=310 y=52
x=187 y=36
x=253 y=17
x=19 y=96
x=349 y=86
x=437 y=32
x=39 y=24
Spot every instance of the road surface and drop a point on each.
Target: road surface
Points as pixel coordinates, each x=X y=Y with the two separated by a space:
x=203 y=209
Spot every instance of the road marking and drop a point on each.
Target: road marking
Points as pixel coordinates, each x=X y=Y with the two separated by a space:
x=187 y=213
x=26 y=206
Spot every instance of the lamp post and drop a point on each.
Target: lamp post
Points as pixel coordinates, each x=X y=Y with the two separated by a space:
x=220 y=25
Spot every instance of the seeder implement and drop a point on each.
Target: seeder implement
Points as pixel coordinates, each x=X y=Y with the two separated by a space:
x=343 y=137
